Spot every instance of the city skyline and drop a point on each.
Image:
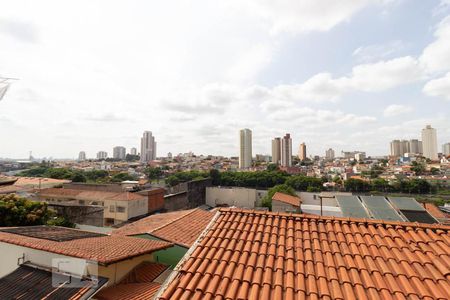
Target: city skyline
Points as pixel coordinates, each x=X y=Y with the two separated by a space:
x=282 y=68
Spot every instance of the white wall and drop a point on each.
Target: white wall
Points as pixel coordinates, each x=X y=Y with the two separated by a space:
x=239 y=197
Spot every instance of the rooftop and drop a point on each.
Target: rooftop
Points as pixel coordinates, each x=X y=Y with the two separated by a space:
x=292 y=200
x=27 y=282
x=264 y=255
x=179 y=227
x=102 y=249
x=90 y=195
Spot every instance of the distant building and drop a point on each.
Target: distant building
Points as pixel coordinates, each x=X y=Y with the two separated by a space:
x=119 y=152
x=360 y=156
x=169 y=155
x=429 y=140
x=329 y=154
x=286 y=151
x=415 y=146
x=302 y=151
x=133 y=151
x=245 y=153
x=102 y=155
x=400 y=148
x=276 y=150
x=446 y=149
x=82 y=156
x=148 y=147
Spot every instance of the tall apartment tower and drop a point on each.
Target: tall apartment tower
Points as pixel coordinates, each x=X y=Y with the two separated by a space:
x=276 y=150
x=302 y=151
x=429 y=140
x=286 y=151
x=446 y=149
x=404 y=147
x=245 y=153
x=396 y=148
x=148 y=147
x=82 y=156
x=415 y=146
x=119 y=152
x=133 y=151
x=329 y=154
x=102 y=155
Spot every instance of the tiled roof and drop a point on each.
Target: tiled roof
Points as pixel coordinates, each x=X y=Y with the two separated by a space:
x=145 y=272
x=264 y=255
x=104 y=250
x=180 y=227
x=90 y=195
x=129 y=291
x=435 y=211
x=292 y=200
x=27 y=282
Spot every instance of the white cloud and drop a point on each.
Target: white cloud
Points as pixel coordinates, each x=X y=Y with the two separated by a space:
x=436 y=56
x=396 y=110
x=295 y=16
x=372 y=53
x=438 y=87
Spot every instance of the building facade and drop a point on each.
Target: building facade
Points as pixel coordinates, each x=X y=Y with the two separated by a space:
x=276 y=150
x=245 y=153
x=329 y=154
x=286 y=151
x=446 y=149
x=148 y=147
x=102 y=155
x=429 y=140
x=82 y=156
x=133 y=151
x=302 y=151
x=119 y=152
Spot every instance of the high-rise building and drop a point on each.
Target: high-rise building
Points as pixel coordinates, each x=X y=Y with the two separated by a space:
x=429 y=140
x=119 y=152
x=286 y=151
x=82 y=156
x=276 y=150
x=169 y=155
x=404 y=147
x=396 y=148
x=415 y=146
x=102 y=155
x=148 y=147
x=133 y=151
x=329 y=154
x=446 y=149
x=245 y=153
x=302 y=151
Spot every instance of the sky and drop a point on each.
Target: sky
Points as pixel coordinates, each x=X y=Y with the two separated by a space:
x=349 y=74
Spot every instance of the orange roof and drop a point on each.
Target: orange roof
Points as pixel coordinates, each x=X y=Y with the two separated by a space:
x=266 y=255
x=435 y=211
x=179 y=227
x=285 y=198
x=145 y=272
x=104 y=249
x=90 y=195
x=129 y=291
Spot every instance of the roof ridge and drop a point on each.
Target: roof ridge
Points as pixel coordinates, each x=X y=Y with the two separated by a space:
x=174 y=220
x=346 y=219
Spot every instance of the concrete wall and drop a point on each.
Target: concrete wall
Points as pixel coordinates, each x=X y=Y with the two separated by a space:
x=174 y=202
x=196 y=192
x=278 y=206
x=224 y=196
x=105 y=187
x=80 y=214
x=116 y=272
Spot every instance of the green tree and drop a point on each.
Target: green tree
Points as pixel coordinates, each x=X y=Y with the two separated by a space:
x=418 y=167
x=18 y=211
x=154 y=172
x=282 y=188
x=356 y=185
x=272 y=167
x=122 y=177
x=215 y=176
x=302 y=183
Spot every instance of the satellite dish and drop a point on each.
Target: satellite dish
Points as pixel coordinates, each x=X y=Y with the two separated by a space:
x=4 y=85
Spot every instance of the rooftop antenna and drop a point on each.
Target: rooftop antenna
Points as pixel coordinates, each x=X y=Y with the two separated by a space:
x=5 y=82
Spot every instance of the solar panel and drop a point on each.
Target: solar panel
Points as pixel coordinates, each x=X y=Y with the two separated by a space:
x=352 y=207
x=57 y=234
x=419 y=216
x=406 y=203
x=380 y=208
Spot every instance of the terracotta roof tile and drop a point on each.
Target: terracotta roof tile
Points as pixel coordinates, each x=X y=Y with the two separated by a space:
x=327 y=258
x=179 y=227
x=285 y=198
x=104 y=249
x=129 y=291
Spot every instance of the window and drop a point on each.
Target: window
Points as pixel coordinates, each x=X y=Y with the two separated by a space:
x=121 y=209
x=112 y=208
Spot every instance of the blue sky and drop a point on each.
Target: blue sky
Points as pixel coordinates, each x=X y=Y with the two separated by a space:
x=350 y=75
